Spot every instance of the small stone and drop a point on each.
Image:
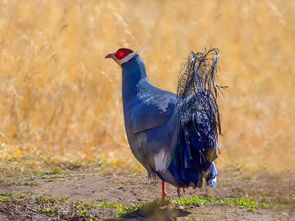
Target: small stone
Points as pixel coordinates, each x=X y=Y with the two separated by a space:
x=181 y=207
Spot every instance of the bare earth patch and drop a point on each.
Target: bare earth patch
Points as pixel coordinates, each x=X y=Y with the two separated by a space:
x=89 y=196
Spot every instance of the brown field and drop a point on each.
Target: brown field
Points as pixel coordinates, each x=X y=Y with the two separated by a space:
x=60 y=100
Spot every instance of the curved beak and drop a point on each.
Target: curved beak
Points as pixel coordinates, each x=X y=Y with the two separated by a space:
x=111 y=55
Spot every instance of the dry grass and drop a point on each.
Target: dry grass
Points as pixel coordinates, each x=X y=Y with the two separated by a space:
x=61 y=101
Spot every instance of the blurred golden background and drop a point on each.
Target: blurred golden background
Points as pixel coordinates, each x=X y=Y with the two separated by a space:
x=60 y=101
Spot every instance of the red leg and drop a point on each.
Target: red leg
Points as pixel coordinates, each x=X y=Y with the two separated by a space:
x=164 y=194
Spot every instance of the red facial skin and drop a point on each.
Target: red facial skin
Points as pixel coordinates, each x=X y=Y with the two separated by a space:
x=121 y=55
x=122 y=52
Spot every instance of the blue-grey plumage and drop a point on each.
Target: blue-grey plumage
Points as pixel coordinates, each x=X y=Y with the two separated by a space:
x=174 y=136
x=147 y=110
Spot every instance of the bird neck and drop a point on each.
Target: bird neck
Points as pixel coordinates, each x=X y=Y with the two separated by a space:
x=133 y=72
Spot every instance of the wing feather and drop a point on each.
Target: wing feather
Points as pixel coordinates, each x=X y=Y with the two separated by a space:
x=151 y=107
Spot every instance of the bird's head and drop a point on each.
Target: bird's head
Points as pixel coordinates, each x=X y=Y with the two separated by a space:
x=122 y=55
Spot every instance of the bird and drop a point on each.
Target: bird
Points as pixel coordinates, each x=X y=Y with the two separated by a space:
x=173 y=135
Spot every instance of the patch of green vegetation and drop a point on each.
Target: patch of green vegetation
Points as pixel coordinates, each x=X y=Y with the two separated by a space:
x=246 y=202
x=55 y=207
x=48 y=205
x=43 y=173
x=109 y=205
x=82 y=204
x=192 y=200
x=51 y=209
x=244 y=177
x=72 y=165
x=252 y=205
x=4 y=199
x=104 y=172
x=82 y=208
x=9 y=182
x=43 y=199
x=24 y=183
x=9 y=196
x=123 y=210
x=271 y=206
x=225 y=202
x=56 y=176
x=31 y=183
x=51 y=176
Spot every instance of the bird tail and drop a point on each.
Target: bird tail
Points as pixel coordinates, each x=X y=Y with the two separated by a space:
x=199 y=119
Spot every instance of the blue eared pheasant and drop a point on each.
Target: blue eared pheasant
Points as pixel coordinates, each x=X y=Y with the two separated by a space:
x=174 y=136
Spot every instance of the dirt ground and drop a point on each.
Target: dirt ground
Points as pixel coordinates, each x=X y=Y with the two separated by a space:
x=130 y=189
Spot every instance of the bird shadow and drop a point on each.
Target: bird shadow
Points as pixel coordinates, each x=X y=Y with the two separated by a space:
x=156 y=210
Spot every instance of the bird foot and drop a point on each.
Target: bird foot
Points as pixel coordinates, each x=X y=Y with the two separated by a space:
x=164 y=194
x=179 y=189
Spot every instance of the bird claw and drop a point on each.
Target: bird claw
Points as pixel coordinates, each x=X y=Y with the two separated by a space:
x=164 y=196
x=179 y=190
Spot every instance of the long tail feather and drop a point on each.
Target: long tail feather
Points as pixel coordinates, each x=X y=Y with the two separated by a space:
x=198 y=80
x=199 y=118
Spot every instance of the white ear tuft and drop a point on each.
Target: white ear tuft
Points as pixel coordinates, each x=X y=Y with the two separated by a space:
x=140 y=50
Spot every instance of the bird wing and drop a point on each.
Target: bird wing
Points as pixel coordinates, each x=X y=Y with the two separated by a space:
x=151 y=107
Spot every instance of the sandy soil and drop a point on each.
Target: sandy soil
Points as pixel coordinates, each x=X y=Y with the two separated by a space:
x=134 y=189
